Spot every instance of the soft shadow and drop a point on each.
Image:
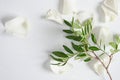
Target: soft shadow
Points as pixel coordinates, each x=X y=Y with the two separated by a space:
x=100 y=12
x=46 y=65
x=60 y=7
x=43 y=16
x=96 y=30
x=91 y=65
x=7 y=18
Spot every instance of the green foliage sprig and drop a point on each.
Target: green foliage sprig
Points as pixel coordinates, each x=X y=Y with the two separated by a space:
x=82 y=34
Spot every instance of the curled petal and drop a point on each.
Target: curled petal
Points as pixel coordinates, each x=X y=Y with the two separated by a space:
x=18 y=26
x=110 y=9
x=112 y=5
x=54 y=16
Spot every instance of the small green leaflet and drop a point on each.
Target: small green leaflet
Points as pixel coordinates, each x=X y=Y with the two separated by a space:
x=83 y=33
x=113 y=44
x=94 y=48
x=68 y=31
x=68 y=49
x=55 y=64
x=67 y=23
x=77 y=48
x=76 y=38
x=104 y=47
x=59 y=54
x=93 y=38
x=117 y=37
x=81 y=55
x=72 y=21
x=56 y=59
x=87 y=59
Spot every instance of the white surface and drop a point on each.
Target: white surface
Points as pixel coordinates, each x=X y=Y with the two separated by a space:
x=25 y=59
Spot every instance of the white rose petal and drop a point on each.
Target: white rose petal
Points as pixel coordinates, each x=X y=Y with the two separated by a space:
x=69 y=6
x=103 y=34
x=110 y=9
x=98 y=67
x=54 y=16
x=112 y=4
x=61 y=69
x=18 y=26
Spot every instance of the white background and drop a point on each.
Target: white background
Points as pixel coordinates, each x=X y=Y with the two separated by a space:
x=26 y=59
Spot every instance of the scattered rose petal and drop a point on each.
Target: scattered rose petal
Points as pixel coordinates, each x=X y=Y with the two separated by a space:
x=54 y=16
x=112 y=4
x=110 y=9
x=18 y=26
x=63 y=69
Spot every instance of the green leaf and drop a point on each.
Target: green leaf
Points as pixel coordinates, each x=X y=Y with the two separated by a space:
x=94 y=48
x=104 y=47
x=117 y=37
x=114 y=45
x=90 y=26
x=93 y=38
x=72 y=21
x=59 y=54
x=68 y=49
x=68 y=31
x=77 y=48
x=83 y=33
x=88 y=29
x=76 y=38
x=67 y=23
x=87 y=59
x=56 y=64
x=56 y=59
x=86 y=47
x=81 y=55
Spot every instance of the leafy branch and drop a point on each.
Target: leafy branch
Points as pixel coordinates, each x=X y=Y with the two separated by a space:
x=84 y=49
